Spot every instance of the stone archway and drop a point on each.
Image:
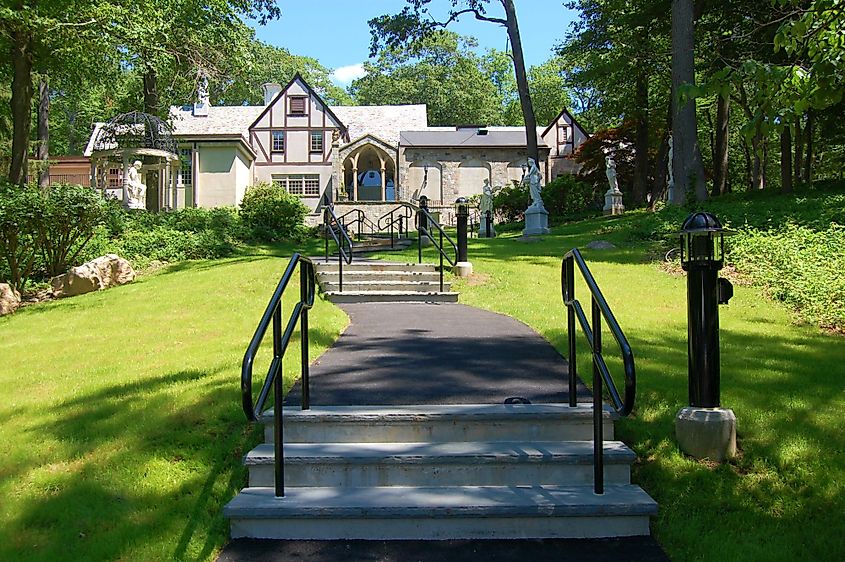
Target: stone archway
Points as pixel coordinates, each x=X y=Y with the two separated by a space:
x=368 y=170
x=471 y=176
x=425 y=178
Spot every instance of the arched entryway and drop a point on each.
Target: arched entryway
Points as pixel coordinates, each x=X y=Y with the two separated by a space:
x=369 y=170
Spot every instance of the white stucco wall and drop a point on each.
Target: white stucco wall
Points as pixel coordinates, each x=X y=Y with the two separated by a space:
x=223 y=174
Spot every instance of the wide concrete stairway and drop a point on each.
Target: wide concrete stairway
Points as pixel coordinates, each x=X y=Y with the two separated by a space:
x=375 y=281
x=440 y=472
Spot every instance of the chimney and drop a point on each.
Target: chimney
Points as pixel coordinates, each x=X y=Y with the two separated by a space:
x=270 y=91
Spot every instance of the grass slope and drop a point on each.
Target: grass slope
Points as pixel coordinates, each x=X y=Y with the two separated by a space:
x=120 y=412
x=779 y=499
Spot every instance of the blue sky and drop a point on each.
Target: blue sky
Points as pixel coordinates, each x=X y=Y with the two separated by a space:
x=335 y=32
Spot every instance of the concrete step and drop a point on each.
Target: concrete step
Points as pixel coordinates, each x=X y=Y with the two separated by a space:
x=439 y=423
x=356 y=275
x=354 y=285
x=390 y=296
x=443 y=512
x=439 y=464
x=371 y=266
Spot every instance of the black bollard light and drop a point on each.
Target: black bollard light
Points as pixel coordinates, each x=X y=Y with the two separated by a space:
x=702 y=256
x=489 y=218
x=462 y=213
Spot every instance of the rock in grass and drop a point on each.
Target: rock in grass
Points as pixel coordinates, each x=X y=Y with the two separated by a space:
x=600 y=245
x=10 y=299
x=100 y=273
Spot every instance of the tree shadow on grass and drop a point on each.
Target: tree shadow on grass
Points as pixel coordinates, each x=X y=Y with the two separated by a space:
x=150 y=464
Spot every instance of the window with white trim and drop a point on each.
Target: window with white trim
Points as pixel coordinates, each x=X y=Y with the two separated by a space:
x=186 y=171
x=278 y=138
x=563 y=134
x=317 y=141
x=301 y=185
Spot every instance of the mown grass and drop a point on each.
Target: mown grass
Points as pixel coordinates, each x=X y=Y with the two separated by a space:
x=120 y=412
x=781 y=499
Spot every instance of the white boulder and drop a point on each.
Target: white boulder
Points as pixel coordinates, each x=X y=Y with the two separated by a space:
x=100 y=273
x=10 y=299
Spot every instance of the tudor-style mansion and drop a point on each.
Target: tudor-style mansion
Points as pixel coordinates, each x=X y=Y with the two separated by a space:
x=356 y=153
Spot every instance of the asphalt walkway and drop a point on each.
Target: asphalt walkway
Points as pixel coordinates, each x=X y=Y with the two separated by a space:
x=420 y=353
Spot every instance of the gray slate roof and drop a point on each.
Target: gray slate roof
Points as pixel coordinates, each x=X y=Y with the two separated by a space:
x=496 y=136
x=223 y=120
x=382 y=121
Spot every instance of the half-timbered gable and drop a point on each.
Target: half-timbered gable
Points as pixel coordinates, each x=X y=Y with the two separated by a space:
x=563 y=136
x=295 y=128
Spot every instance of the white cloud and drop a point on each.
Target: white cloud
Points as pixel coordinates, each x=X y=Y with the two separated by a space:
x=346 y=74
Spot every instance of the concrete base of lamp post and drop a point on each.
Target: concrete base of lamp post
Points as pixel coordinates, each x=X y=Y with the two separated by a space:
x=706 y=433
x=462 y=269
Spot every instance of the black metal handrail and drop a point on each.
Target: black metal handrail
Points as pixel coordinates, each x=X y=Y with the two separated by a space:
x=332 y=227
x=393 y=217
x=601 y=373
x=360 y=219
x=281 y=339
x=424 y=222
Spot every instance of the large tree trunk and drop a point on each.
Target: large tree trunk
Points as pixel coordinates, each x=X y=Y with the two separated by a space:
x=21 y=105
x=150 y=79
x=522 y=81
x=786 y=160
x=757 y=163
x=749 y=177
x=641 y=140
x=686 y=162
x=799 y=152
x=808 y=158
x=43 y=153
x=720 y=152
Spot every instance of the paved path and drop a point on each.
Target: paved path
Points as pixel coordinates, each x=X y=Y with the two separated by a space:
x=439 y=354
x=418 y=353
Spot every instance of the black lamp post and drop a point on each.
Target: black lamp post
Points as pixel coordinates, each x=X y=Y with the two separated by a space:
x=462 y=213
x=702 y=256
x=422 y=225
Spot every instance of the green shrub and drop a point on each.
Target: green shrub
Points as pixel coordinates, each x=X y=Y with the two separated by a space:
x=163 y=243
x=272 y=214
x=19 y=216
x=70 y=215
x=511 y=201
x=566 y=196
x=798 y=266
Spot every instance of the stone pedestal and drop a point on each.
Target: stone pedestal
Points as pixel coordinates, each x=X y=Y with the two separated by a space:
x=482 y=230
x=706 y=432
x=613 y=202
x=462 y=269
x=536 y=221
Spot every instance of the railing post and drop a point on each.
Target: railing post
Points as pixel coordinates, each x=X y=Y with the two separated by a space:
x=569 y=284
x=305 y=276
x=598 y=421
x=391 y=231
x=326 y=227
x=278 y=387
x=441 y=260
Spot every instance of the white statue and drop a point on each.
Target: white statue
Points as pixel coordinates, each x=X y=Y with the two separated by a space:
x=533 y=179
x=136 y=191
x=611 y=174
x=486 y=204
x=202 y=89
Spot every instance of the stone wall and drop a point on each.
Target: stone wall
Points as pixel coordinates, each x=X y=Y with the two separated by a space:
x=460 y=169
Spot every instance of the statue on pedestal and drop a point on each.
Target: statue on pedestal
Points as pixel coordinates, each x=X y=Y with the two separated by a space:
x=670 y=188
x=613 y=198
x=136 y=191
x=536 y=215
x=485 y=206
x=533 y=179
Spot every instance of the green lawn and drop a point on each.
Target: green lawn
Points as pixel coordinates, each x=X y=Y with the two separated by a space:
x=782 y=499
x=120 y=412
